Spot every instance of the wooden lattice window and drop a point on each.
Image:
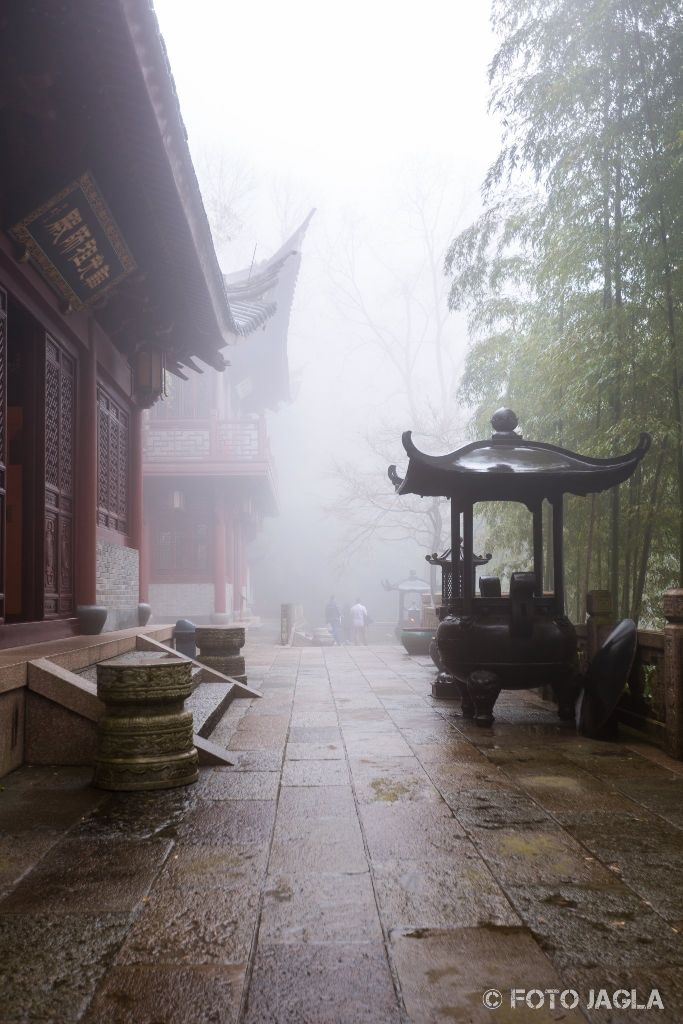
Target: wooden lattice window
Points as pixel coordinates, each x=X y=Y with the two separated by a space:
x=3 y=379
x=182 y=550
x=3 y=440
x=60 y=439
x=113 y=462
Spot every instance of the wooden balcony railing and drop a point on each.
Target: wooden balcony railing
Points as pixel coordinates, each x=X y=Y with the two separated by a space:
x=243 y=440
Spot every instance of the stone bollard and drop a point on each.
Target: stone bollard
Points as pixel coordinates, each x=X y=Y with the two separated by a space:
x=219 y=648
x=599 y=620
x=672 y=604
x=184 y=634
x=145 y=737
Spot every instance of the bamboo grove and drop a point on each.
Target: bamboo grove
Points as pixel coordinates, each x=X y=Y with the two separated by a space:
x=572 y=276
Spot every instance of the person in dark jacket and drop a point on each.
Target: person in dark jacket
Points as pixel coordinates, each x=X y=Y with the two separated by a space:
x=333 y=619
x=347 y=628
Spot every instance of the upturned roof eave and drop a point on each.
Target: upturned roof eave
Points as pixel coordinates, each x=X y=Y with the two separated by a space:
x=252 y=293
x=152 y=57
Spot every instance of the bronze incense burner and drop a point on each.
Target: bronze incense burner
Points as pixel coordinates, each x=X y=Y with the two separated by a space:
x=488 y=640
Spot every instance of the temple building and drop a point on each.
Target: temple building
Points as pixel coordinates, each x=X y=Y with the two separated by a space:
x=208 y=471
x=108 y=283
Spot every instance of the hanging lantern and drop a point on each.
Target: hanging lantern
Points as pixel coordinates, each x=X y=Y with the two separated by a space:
x=148 y=375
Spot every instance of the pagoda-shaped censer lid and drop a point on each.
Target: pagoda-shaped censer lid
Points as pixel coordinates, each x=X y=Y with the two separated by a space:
x=507 y=467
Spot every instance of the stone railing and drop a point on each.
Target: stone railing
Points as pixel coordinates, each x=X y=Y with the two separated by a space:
x=653 y=700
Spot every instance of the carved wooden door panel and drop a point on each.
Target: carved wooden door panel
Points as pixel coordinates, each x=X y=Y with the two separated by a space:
x=60 y=428
x=113 y=463
x=3 y=443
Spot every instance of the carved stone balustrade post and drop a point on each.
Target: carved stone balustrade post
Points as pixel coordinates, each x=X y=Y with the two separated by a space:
x=219 y=648
x=145 y=737
x=599 y=620
x=673 y=671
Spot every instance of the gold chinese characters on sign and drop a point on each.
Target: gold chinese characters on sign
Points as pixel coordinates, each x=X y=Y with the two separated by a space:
x=76 y=243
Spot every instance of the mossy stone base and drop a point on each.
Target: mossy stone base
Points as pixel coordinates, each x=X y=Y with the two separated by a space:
x=145 y=738
x=219 y=649
x=138 y=773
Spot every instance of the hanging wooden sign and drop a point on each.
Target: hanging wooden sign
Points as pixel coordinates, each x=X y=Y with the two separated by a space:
x=76 y=243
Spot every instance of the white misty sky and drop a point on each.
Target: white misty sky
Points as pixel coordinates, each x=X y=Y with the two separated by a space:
x=342 y=107
x=339 y=96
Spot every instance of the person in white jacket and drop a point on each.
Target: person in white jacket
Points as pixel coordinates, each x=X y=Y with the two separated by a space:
x=359 y=618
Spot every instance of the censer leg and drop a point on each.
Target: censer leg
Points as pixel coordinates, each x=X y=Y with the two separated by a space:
x=483 y=689
x=445 y=687
x=565 y=694
x=468 y=707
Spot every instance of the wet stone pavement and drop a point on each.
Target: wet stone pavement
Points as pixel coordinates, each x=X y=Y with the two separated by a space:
x=371 y=858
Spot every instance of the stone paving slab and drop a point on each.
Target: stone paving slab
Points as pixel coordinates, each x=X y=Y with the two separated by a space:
x=51 y=964
x=527 y=856
x=415 y=894
x=587 y=927
x=200 y=866
x=424 y=830
x=314 y=751
x=667 y=982
x=370 y=857
x=229 y=821
x=172 y=994
x=45 y=800
x=309 y=772
x=319 y=908
x=224 y=784
x=194 y=926
x=444 y=974
x=89 y=876
x=19 y=853
x=322 y=984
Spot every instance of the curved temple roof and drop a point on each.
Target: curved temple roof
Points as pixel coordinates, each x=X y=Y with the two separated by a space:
x=413 y=585
x=256 y=293
x=509 y=468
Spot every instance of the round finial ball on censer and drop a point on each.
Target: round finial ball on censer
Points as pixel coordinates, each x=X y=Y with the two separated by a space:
x=504 y=421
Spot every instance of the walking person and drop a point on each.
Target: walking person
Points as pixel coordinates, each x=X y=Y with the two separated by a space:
x=347 y=627
x=333 y=619
x=359 y=618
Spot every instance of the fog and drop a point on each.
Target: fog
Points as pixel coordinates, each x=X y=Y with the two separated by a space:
x=376 y=117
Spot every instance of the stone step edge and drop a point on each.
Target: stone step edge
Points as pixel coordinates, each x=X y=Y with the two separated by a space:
x=208 y=703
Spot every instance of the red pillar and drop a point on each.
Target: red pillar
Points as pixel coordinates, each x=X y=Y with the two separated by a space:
x=144 y=562
x=136 y=532
x=238 y=563
x=86 y=509
x=219 y=557
x=230 y=553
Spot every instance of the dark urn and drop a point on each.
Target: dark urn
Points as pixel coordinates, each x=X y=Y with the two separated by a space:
x=512 y=643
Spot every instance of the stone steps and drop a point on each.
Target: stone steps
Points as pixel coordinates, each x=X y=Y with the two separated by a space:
x=63 y=708
x=208 y=703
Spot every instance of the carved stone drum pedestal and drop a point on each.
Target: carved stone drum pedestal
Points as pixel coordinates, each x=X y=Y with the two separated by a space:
x=145 y=737
x=219 y=648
